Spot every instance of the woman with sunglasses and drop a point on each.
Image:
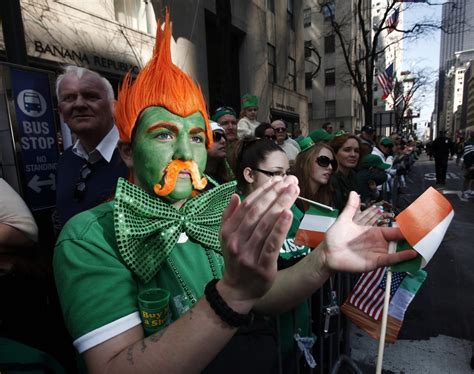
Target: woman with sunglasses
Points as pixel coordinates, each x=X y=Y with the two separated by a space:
x=314 y=167
x=217 y=167
x=255 y=162
x=265 y=130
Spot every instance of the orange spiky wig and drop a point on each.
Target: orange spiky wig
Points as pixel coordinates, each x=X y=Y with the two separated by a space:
x=160 y=83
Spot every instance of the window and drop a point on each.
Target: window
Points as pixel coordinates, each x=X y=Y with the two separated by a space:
x=308 y=45
x=330 y=109
x=376 y=102
x=136 y=14
x=292 y=73
x=290 y=15
x=328 y=10
x=330 y=77
x=271 y=63
x=271 y=5
x=330 y=44
x=308 y=80
x=307 y=17
x=376 y=87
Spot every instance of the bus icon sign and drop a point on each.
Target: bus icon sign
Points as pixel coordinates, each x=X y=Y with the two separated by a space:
x=31 y=103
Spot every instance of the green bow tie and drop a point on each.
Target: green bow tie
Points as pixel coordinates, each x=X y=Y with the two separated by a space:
x=147 y=228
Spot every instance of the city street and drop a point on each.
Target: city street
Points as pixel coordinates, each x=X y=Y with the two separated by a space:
x=438 y=331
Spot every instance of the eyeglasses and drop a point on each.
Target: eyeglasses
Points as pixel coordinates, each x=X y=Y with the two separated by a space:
x=81 y=186
x=218 y=136
x=271 y=137
x=271 y=174
x=325 y=161
x=280 y=129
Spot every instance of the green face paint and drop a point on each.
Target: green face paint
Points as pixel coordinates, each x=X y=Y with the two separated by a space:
x=161 y=137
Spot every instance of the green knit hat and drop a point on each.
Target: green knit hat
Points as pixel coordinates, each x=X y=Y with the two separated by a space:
x=320 y=135
x=305 y=143
x=249 y=101
x=222 y=111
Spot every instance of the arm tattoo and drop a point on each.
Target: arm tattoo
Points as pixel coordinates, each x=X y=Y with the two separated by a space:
x=130 y=355
x=143 y=348
x=155 y=338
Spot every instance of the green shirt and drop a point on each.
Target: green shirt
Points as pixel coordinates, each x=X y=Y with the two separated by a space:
x=98 y=292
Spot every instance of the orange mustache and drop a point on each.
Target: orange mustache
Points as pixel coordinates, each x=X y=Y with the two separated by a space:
x=171 y=176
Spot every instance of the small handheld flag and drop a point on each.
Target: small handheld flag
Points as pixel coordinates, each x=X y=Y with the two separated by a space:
x=423 y=224
x=316 y=221
x=365 y=303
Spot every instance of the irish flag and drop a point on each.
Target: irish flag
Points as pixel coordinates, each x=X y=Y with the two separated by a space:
x=423 y=224
x=316 y=221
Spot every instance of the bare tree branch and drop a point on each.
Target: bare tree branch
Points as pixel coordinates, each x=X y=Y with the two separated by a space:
x=362 y=49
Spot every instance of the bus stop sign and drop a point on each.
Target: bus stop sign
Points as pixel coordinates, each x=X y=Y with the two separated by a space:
x=37 y=136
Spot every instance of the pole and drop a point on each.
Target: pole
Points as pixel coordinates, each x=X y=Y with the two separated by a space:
x=383 y=329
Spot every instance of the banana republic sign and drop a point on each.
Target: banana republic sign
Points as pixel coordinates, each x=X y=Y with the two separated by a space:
x=93 y=61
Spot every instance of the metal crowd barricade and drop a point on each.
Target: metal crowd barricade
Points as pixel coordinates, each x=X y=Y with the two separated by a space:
x=332 y=348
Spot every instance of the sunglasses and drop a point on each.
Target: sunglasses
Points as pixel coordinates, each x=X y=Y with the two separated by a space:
x=280 y=129
x=81 y=186
x=271 y=174
x=271 y=137
x=218 y=136
x=325 y=161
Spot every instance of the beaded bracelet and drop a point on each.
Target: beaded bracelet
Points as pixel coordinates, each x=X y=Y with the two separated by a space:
x=224 y=311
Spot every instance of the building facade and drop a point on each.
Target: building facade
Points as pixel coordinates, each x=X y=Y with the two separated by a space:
x=332 y=97
x=391 y=50
x=228 y=47
x=467 y=117
x=450 y=116
x=458 y=35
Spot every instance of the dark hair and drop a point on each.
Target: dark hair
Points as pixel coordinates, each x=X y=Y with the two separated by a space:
x=338 y=142
x=302 y=170
x=249 y=152
x=260 y=130
x=326 y=125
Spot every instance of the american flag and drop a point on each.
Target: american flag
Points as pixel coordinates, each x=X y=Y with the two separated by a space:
x=386 y=81
x=392 y=21
x=368 y=293
x=364 y=305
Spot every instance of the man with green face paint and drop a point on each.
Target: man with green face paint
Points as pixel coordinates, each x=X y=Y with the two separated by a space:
x=161 y=231
x=169 y=137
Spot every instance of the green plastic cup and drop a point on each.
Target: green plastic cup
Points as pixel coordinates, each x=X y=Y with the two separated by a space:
x=154 y=309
